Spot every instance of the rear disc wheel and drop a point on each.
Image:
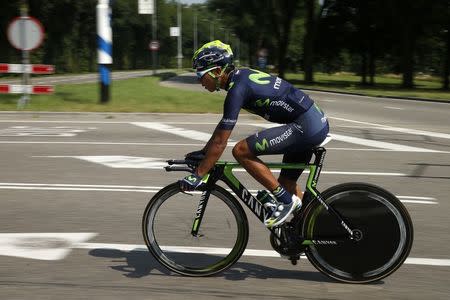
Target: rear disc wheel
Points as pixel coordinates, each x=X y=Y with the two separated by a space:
x=382 y=233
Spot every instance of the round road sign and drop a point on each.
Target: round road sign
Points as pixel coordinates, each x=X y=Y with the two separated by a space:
x=154 y=45
x=25 y=33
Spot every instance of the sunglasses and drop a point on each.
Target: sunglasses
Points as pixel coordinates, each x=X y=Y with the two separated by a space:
x=200 y=74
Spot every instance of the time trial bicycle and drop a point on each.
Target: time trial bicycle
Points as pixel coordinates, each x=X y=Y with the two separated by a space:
x=352 y=232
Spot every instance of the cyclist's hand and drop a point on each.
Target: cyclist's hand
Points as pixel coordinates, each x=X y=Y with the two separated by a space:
x=190 y=182
x=196 y=155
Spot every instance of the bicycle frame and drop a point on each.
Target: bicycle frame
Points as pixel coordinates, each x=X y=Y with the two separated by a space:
x=224 y=171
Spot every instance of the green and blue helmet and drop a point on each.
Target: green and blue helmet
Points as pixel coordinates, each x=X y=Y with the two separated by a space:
x=212 y=55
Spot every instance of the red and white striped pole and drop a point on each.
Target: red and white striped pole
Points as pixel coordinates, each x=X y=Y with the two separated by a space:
x=30 y=69
x=26 y=89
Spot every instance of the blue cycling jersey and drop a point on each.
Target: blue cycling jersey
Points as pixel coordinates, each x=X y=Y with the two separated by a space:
x=268 y=96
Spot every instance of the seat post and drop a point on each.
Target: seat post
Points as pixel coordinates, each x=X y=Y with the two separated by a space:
x=319 y=153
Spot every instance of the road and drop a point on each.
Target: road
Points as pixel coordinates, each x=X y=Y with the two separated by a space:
x=73 y=188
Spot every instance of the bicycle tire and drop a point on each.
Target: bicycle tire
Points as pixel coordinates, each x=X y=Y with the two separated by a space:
x=386 y=227
x=191 y=263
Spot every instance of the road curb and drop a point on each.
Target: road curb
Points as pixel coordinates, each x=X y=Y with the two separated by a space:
x=378 y=96
x=173 y=83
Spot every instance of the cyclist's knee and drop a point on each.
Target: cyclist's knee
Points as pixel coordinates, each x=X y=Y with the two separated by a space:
x=241 y=150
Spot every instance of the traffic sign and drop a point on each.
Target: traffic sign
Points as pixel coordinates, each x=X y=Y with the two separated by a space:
x=25 y=33
x=174 y=31
x=153 y=45
x=146 y=7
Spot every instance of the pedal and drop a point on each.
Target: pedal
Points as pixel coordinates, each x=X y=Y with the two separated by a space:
x=294 y=259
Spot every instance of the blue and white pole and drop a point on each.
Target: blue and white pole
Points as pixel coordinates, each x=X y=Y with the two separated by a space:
x=104 y=52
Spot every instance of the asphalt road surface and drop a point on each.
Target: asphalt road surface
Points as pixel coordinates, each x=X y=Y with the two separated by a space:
x=74 y=186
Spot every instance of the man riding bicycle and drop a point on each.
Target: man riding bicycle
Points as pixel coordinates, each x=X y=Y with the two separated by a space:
x=302 y=126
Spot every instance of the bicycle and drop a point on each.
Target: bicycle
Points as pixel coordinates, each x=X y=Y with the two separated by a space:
x=352 y=232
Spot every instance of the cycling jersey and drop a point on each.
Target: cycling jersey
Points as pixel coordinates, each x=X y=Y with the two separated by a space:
x=268 y=96
x=304 y=123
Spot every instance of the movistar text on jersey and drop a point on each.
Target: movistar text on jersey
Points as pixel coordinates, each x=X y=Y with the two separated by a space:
x=282 y=104
x=281 y=138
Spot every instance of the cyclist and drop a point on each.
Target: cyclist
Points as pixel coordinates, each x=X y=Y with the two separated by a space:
x=302 y=125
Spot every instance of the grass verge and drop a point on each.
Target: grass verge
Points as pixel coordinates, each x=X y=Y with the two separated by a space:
x=385 y=86
x=144 y=94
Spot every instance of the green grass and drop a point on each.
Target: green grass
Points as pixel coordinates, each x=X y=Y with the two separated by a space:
x=146 y=95
x=132 y=95
x=387 y=85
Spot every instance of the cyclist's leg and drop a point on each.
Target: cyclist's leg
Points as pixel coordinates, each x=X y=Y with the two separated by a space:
x=274 y=140
x=254 y=166
x=288 y=177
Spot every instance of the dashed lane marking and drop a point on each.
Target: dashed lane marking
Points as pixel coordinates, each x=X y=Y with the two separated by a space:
x=369 y=143
x=146 y=189
x=185 y=133
x=118 y=161
x=398 y=129
x=57 y=246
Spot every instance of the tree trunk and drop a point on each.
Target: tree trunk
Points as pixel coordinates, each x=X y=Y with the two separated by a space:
x=282 y=49
x=308 y=45
x=371 y=62
x=364 y=67
x=407 y=48
x=282 y=16
x=446 y=85
x=407 y=61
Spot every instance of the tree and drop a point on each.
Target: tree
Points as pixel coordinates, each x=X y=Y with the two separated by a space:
x=282 y=13
x=309 y=40
x=259 y=22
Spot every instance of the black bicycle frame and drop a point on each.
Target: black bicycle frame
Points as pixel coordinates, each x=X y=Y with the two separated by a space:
x=224 y=171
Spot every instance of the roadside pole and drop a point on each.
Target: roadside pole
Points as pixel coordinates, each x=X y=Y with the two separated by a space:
x=104 y=40
x=25 y=56
x=148 y=7
x=154 y=38
x=180 y=54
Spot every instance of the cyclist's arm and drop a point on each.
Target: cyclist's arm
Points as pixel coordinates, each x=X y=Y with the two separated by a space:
x=218 y=142
x=214 y=150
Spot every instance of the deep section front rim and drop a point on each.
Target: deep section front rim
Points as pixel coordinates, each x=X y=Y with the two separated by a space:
x=222 y=238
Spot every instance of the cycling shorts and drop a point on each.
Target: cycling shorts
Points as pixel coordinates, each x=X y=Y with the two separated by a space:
x=295 y=140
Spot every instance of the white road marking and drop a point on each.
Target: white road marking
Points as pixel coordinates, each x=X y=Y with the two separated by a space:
x=145 y=189
x=58 y=131
x=121 y=161
x=56 y=246
x=104 y=143
x=392 y=107
x=399 y=129
x=180 y=144
x=117 y=161
x=378 y=144
x=225 y=251
x=185 y=133
x=369 y=143
x=42 y=246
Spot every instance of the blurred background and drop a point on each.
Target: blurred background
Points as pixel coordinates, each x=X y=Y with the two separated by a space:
x=363 y=37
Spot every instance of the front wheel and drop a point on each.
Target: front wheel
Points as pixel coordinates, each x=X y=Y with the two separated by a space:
x=219 y=241
x=382 y=227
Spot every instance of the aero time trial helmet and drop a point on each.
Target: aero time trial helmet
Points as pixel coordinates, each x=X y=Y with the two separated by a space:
x=212 y=55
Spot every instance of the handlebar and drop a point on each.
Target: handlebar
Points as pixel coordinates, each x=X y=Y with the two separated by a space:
x=190 y=165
